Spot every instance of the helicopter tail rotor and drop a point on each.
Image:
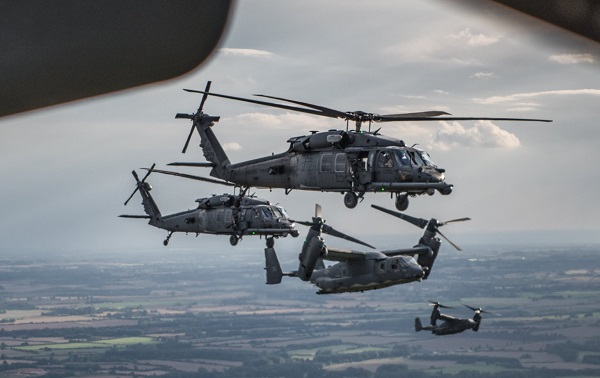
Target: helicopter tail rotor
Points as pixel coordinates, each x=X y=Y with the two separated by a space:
x=191 y=116
x=139 y=183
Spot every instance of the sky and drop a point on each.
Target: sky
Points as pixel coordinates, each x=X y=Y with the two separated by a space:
x=66 y=171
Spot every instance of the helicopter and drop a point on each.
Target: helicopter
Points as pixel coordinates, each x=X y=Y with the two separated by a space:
x=451 y=325
x=225 y=214
x=358 y=270
x=351 y=162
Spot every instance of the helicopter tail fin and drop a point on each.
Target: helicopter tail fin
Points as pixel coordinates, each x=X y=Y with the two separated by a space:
x=273 y=268
x=150 y=207
x=418 y=325
x=211 y=147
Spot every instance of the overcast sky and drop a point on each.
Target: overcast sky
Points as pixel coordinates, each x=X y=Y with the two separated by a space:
x=65 y=171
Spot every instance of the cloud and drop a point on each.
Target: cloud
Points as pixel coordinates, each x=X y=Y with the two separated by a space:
x=530 y=95
x=572 y=58
x=233 y=146
x=474 y=40
x=483 y=75
x=484 y=134
x=245 y=52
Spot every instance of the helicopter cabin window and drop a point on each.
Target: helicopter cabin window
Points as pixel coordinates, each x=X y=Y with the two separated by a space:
x=395 y=264
x=385 y=160
x=326 y=162
x=220 y=215
x=340 y=162
x=228 y=215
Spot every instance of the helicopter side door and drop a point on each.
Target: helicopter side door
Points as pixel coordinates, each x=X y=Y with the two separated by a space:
x=332 y=170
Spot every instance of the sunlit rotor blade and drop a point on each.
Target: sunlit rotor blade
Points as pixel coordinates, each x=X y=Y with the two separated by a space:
x=187 y=141
x=430 y=113
x=419 y=222
x=448 y=240
x=333 y=232
x=456 y=220
x=280 y=106
x=193 y=177
x=318 y=211
x=436 y=303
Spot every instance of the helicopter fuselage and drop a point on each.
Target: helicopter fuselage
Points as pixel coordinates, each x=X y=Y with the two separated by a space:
x=256 y=218
x=376 y=272
x=380 y=164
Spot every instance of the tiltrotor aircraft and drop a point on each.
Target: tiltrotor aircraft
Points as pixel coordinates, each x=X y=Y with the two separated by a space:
x=357 y=270
x=225 y=214
x=451 y=324
x=351 y=162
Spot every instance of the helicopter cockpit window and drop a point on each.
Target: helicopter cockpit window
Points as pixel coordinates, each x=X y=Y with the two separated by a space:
x=267 y=212
x=425 y=156
x=417 y=158
x=402 y=158
x=385 y=160
x=278 y=212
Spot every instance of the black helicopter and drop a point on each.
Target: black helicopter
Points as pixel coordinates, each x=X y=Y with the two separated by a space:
x=351 y=162
x=451 y=325
x=225 y=214
x=357 y=270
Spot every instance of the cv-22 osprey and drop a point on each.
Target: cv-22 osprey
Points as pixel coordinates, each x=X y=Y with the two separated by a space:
x=361 y=270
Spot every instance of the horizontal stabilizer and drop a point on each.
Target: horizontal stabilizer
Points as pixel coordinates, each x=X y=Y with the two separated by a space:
x=192 y=164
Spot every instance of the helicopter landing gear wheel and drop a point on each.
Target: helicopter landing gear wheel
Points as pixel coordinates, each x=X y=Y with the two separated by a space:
x=402 y=202
x=166 y=241
x=270 y=242
x=233 y=240
x=350 y=200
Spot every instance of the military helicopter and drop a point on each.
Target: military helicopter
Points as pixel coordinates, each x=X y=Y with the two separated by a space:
x=451 y=324
x=357 y=270
x=351 y=162
x=225 y=214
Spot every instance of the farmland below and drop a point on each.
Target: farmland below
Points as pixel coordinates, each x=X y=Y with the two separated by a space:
x=196 y=313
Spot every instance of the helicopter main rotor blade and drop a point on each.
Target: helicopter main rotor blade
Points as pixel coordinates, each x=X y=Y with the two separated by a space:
x=206 y=90
x=192 y=164
x=433 y=115
x=281 y=106
x=401 y=117
x=419 y=222
x=327 y=112
x=326 y=229
x=193 y=177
